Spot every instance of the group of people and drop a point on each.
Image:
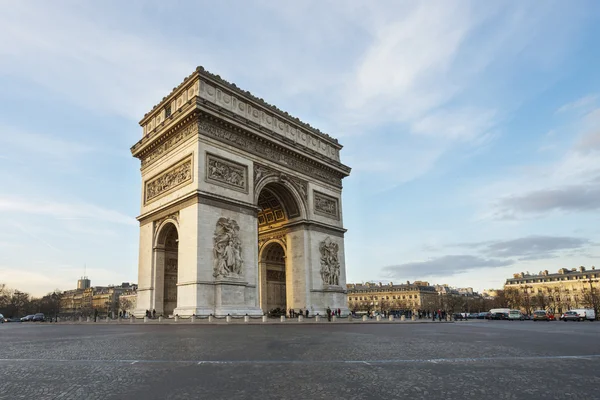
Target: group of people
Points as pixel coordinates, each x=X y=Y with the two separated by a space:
x=151 y=314
x=294 y=314
x=330 y=312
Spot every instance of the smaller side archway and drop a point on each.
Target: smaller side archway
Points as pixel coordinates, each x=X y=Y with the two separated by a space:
x=272 y=276
x=166 y=257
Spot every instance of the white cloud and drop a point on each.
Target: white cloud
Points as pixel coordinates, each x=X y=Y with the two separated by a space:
x=43 y=144
x=570 y=184
x=582 y=103
x=54 y=209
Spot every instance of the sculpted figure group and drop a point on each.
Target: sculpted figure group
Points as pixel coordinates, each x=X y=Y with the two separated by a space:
x=227 y=249
x=330 y=265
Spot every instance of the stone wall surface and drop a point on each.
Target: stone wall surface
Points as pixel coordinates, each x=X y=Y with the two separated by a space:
x=203 y=169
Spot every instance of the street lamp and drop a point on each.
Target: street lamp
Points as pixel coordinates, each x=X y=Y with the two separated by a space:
x=592 y=296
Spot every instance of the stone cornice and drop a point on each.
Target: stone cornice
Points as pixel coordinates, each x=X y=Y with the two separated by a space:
x=215 y=110
x=150 y=142
x=226 y=96
x=216 y=79
x=193 y=197
x=305 y=224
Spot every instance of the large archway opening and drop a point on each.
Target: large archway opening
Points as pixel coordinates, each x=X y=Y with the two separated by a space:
x=167 y=268
x=278 y=207
x=273 y=266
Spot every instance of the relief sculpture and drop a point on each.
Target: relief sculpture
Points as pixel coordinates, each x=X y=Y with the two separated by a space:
x=168 y=180
x=330 y=264
x=226 y=172
x=326 y=205
x=227 y=249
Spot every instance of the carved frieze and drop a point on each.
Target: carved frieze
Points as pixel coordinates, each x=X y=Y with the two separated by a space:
x=269 y=152
x=326 y=205
x=170 y=144
x=330 y=264
x=227 y=250
x=226 y=173
x=176 y=176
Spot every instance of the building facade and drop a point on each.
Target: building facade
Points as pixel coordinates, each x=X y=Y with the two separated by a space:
x=558 y=292
x=390 y=297
x=241 y=208
x=104 y=299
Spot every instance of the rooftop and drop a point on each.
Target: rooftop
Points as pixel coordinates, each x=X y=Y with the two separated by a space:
x=200 y=71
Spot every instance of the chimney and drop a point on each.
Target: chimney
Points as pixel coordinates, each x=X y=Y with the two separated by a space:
x=582 y=269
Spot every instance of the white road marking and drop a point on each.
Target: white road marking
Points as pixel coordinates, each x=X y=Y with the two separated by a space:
x=587 y=357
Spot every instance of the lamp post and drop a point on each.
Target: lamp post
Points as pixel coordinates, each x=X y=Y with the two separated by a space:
x=592 y=295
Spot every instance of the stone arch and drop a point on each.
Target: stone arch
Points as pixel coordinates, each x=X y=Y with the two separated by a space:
x=166 y=261
x=290 y=193
x=273 y=274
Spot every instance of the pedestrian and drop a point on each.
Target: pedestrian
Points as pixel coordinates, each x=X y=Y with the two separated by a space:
x=328 y=313
x=306 y=312
x=95 y=314
x=339 y=312
x=153 y=314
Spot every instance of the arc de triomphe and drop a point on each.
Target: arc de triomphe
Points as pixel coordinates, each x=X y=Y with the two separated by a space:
x=241 y=207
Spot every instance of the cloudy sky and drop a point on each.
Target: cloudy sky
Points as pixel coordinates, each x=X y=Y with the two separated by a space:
x=473 y=128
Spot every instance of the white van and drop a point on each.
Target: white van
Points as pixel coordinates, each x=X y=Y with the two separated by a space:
x=585 y=313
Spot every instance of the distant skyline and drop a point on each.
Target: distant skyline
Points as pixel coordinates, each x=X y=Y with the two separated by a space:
x=472 y=129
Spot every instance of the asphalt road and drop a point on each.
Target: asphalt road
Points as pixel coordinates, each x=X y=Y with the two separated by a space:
x=463 y=360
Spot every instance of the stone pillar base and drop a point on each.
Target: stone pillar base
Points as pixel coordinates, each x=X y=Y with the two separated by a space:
x=282 y=318
x=264 y=318
x=364 y=318
x=391 y=318
x=403 y=318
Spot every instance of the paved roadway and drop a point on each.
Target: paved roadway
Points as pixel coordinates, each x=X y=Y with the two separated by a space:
x=462 y=360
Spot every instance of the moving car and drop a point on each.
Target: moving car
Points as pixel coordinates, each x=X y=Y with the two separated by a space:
x=1 y=319
x=542 y=315
x=27 y=318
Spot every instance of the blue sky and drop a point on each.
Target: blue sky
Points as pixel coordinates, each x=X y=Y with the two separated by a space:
x=473 y=128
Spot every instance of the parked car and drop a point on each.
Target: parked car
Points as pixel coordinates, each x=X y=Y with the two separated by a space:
x=570 y=316
x=39 y=317
x=483 y=315
x=499 y=315
x=1 y=319
x=542 y=315
x=27 y=318
x=473 y=315
x=585 y=313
